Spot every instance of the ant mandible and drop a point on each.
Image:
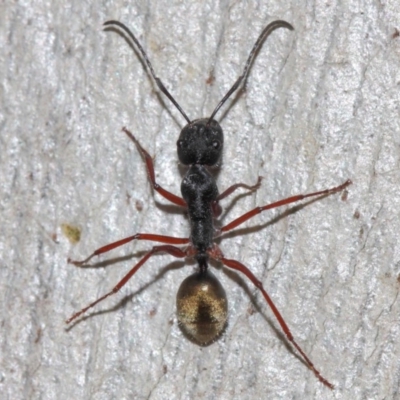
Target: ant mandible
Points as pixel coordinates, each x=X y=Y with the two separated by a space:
x=201 y=299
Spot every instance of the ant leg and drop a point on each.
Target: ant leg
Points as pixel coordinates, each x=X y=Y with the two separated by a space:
x=232 y=188
x=242 y=268
x=289 y=200
x=172 y=250
x=138 y=236
x=217 y=209
x=150 y=170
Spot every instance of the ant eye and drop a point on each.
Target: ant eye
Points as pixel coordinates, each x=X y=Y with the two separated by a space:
x=179 y=143
x=216 y=144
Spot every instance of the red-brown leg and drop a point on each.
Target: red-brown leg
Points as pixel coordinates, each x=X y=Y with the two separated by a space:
x=240 y=267
x=138 y=236
x=289 y=200
x=217 y=209
x=172 y=250
x=150 y=170
x=232 y=188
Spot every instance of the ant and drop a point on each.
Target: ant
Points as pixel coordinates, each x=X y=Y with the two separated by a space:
x=201 y=300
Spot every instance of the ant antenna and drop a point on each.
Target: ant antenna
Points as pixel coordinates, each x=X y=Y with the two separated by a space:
x=264 y=34
x=160 y=85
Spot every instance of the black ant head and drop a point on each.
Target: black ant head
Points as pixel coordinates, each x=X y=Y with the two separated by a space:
x=200 y=142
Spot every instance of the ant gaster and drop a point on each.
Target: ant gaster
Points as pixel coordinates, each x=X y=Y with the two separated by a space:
x=201 y=299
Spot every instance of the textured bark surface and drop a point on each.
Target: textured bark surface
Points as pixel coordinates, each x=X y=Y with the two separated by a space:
x=321 y=105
